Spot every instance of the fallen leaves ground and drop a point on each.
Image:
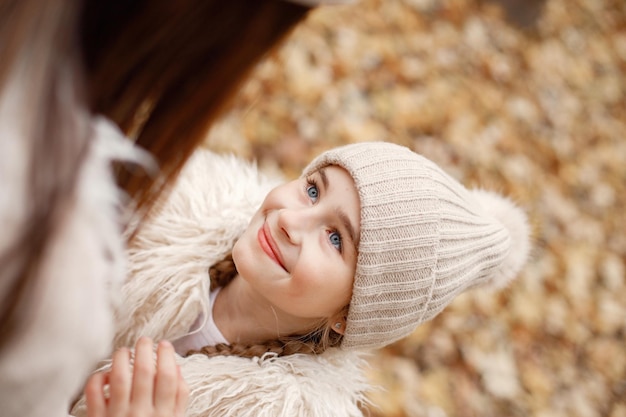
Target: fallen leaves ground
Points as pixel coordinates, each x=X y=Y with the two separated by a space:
x=531 y=104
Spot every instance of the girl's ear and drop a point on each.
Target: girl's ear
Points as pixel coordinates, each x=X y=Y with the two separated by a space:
x=338 y=324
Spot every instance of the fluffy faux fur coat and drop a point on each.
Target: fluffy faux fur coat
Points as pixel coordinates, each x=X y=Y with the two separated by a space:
x=168 y=287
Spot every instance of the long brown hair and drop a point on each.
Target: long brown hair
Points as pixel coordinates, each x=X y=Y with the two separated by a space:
x=166 y=70
x=162 y=70
x=315 y=341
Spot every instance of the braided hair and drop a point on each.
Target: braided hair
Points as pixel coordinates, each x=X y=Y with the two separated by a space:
x=314 y=342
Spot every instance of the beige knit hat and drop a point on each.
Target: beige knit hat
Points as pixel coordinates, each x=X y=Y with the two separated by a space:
x=424 y=240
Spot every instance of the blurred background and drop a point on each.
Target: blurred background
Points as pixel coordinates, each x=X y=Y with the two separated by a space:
x=523 y=97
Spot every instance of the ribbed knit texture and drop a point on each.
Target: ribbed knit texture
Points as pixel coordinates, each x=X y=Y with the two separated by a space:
x=424 y=239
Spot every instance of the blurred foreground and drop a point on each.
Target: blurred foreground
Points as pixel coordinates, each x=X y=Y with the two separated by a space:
x=530 y=103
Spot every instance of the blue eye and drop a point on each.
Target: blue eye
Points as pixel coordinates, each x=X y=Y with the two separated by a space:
x=313 y=192
x=335 y=240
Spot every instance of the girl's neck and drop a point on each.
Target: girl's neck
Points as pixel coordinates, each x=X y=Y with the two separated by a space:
x=243 y=316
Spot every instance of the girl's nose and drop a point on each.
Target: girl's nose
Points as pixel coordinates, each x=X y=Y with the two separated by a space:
x=293 y=222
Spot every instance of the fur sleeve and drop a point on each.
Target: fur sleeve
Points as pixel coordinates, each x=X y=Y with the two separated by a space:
x=331 y=384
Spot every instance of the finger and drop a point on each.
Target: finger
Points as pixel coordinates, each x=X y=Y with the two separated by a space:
x=94 y=395
x=143 y=375
x=166 y=385
x=182 y=396
x=119 y=383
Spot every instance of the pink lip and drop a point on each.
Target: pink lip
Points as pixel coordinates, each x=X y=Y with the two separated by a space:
x=269 y=246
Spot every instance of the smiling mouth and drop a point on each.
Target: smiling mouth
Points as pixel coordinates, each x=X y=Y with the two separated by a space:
x=268 y=245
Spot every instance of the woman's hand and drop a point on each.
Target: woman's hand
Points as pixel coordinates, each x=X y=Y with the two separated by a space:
x=146 y=391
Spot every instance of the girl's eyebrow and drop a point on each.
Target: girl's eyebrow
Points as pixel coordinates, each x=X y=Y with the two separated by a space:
x=322 y=172
x=348 y=225
x=345 y=220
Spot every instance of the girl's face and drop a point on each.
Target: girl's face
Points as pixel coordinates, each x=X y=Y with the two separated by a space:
x=299 y=251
